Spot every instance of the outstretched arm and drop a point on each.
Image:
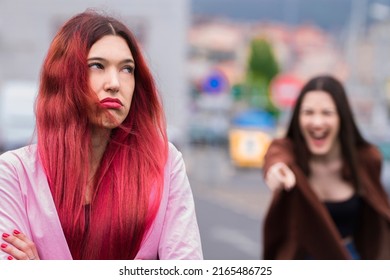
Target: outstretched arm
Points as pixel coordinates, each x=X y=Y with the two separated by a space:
x=280 y=176
x=277 y=162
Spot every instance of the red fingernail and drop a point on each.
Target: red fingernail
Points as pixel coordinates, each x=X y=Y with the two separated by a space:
x=5 y=235
x=3 y=245
x=10 y=258
x=16 y=231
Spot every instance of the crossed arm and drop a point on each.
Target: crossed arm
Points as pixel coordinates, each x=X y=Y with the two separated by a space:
x=18 y=246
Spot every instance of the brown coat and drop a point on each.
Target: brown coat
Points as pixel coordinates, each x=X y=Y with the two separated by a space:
x=298 y=224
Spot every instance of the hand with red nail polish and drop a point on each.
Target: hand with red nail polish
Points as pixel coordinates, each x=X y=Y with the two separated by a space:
x=18 y=246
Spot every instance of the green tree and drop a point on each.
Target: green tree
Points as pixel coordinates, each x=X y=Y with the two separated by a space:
x=262 y=63
x=262 y=68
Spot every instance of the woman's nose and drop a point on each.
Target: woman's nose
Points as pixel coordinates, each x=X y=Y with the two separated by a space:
x=317 y=120
x=112 y=82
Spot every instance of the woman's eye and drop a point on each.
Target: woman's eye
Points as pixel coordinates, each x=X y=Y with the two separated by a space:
x=95 y=65
x=128 y=69
x=306 y=112
x=329 y=113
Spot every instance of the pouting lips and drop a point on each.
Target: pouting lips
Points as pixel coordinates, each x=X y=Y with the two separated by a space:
x=111 y=103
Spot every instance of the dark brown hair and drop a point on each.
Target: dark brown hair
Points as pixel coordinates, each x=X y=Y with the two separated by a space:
x=349 y=135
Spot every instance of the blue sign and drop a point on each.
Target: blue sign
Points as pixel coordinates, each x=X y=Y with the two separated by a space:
x=255 y=118
x=215 y=83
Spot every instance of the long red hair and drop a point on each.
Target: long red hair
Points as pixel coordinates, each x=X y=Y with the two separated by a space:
x=129 y=181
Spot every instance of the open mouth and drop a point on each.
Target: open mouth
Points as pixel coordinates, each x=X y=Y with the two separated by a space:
x=318 y=138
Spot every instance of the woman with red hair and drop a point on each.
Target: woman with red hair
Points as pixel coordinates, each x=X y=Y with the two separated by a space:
x=102 y=182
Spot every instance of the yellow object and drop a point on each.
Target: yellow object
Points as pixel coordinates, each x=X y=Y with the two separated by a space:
x=248 y=147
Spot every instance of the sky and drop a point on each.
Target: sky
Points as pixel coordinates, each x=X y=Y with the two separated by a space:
x=328 y=14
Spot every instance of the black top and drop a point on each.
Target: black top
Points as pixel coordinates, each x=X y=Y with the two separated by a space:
x=345 y=214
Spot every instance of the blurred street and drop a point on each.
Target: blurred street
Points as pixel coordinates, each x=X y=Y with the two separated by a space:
x=235 y=69
x=230 y=203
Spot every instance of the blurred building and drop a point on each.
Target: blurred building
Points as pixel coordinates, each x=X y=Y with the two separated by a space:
x=214 y=65
x=27 y=28
x=371 y=79
x=301 y=51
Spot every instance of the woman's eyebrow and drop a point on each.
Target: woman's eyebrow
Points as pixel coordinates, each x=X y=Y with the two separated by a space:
x=96 y=58
x=126 y=60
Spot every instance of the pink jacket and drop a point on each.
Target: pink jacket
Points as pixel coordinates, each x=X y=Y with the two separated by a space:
x=26 y=204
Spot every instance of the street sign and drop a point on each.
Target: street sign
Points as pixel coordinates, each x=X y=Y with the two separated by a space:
x=285 y=89
x=215 y=83
x=248 y=147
